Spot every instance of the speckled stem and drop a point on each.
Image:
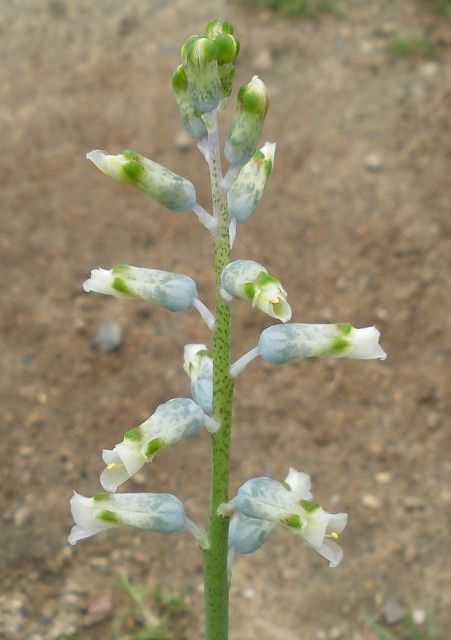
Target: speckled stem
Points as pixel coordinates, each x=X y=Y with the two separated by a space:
x=215 y=558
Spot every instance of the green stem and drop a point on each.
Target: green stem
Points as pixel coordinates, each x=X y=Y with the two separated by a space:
x=215 y=559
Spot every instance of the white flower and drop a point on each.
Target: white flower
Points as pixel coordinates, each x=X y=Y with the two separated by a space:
x=288 y=504
x=174 y=291
x=161 y=512
x=247 y=190
x=248 y=280
x=161 y=184
x=175 y=420
x=279 y=344
x=199 y=367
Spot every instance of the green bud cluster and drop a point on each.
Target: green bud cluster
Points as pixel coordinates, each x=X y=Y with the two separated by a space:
x=205 y=76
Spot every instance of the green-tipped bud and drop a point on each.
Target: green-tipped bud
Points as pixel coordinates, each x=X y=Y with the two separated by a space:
x=161 y=184
x=247 y=123
x=217 y=27
x=190 y=116
x=247 y=190
x=202 y=73
x=227 y=47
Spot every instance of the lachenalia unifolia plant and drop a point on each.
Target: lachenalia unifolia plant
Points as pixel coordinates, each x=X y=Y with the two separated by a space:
x=202 y=85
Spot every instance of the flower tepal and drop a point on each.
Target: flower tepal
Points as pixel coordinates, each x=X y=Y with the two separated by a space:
x=174 y=291
x=249 y=280
x=160 y=512
x=247 y=190
x=289 y=343
x=175 y=420
x=198 y=364
x=289 y=504
x=158 y=182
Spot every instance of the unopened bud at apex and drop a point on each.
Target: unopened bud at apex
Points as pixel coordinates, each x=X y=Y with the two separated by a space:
x=198 y=364
x=161 y=184
x=247 y=123
x=161 y=512
x=294 y=342
x=247 y=190
x=217 y=27
x=289 y=504
x=248 y=280
x=175 y=420
x=202 y=72
x=174 y=291
x=191 y=119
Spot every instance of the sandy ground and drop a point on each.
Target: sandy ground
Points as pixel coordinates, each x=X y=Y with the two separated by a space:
x=354 y=222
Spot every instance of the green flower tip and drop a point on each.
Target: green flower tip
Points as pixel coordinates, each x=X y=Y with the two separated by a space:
x=179 y=80
x=310 y=506
x=217 y=27
x=293 y=521
x=109 y=516
x=101 y=496
x=254 y=97
x=120 y=285
x=132 y=168
x=338 y=345
x=344 y=328
x=135 y=434
x=154 y=446
x=198 y=52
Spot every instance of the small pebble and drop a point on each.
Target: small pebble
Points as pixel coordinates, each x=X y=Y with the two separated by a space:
x=374 y=162
x=249 y=593
x=99 y=611
x=383 y=477
x=373 y=502
x=393 y=612
x=22 y=515
x=108 y=337
x=413 y=503
x=183 y=141
x=419 y=616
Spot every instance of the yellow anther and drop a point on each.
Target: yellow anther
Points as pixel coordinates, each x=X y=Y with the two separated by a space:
x=334 y=535
x=275 y=300
x=112 y=466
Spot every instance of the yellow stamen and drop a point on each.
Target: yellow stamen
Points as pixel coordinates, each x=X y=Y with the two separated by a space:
x=274 y=300
x=112 y=466
x=334 y=535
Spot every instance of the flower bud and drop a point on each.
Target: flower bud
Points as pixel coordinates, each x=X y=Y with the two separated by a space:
x=247 y=190
x=248 y=280
x=161 y=184
x=289 y=504
x=294 y=342
x=217 y=27
x=247 y=123
x=199 y=367
x=202 y=73
x=191 y=119
x=161 y=512
x=174 y=291
x=175 y=420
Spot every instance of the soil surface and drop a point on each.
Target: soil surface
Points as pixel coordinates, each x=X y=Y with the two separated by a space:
x=354 y=222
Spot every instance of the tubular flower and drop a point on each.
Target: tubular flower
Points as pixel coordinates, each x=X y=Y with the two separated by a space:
x=247 y=190
x=247 y=123
x=161 y=184
x=289 y=504
x=199 y=366
x=175 y=420
x=202 y=73
x=248 y=280
x=292 y=342
x=174 y=291
x=160 y=512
